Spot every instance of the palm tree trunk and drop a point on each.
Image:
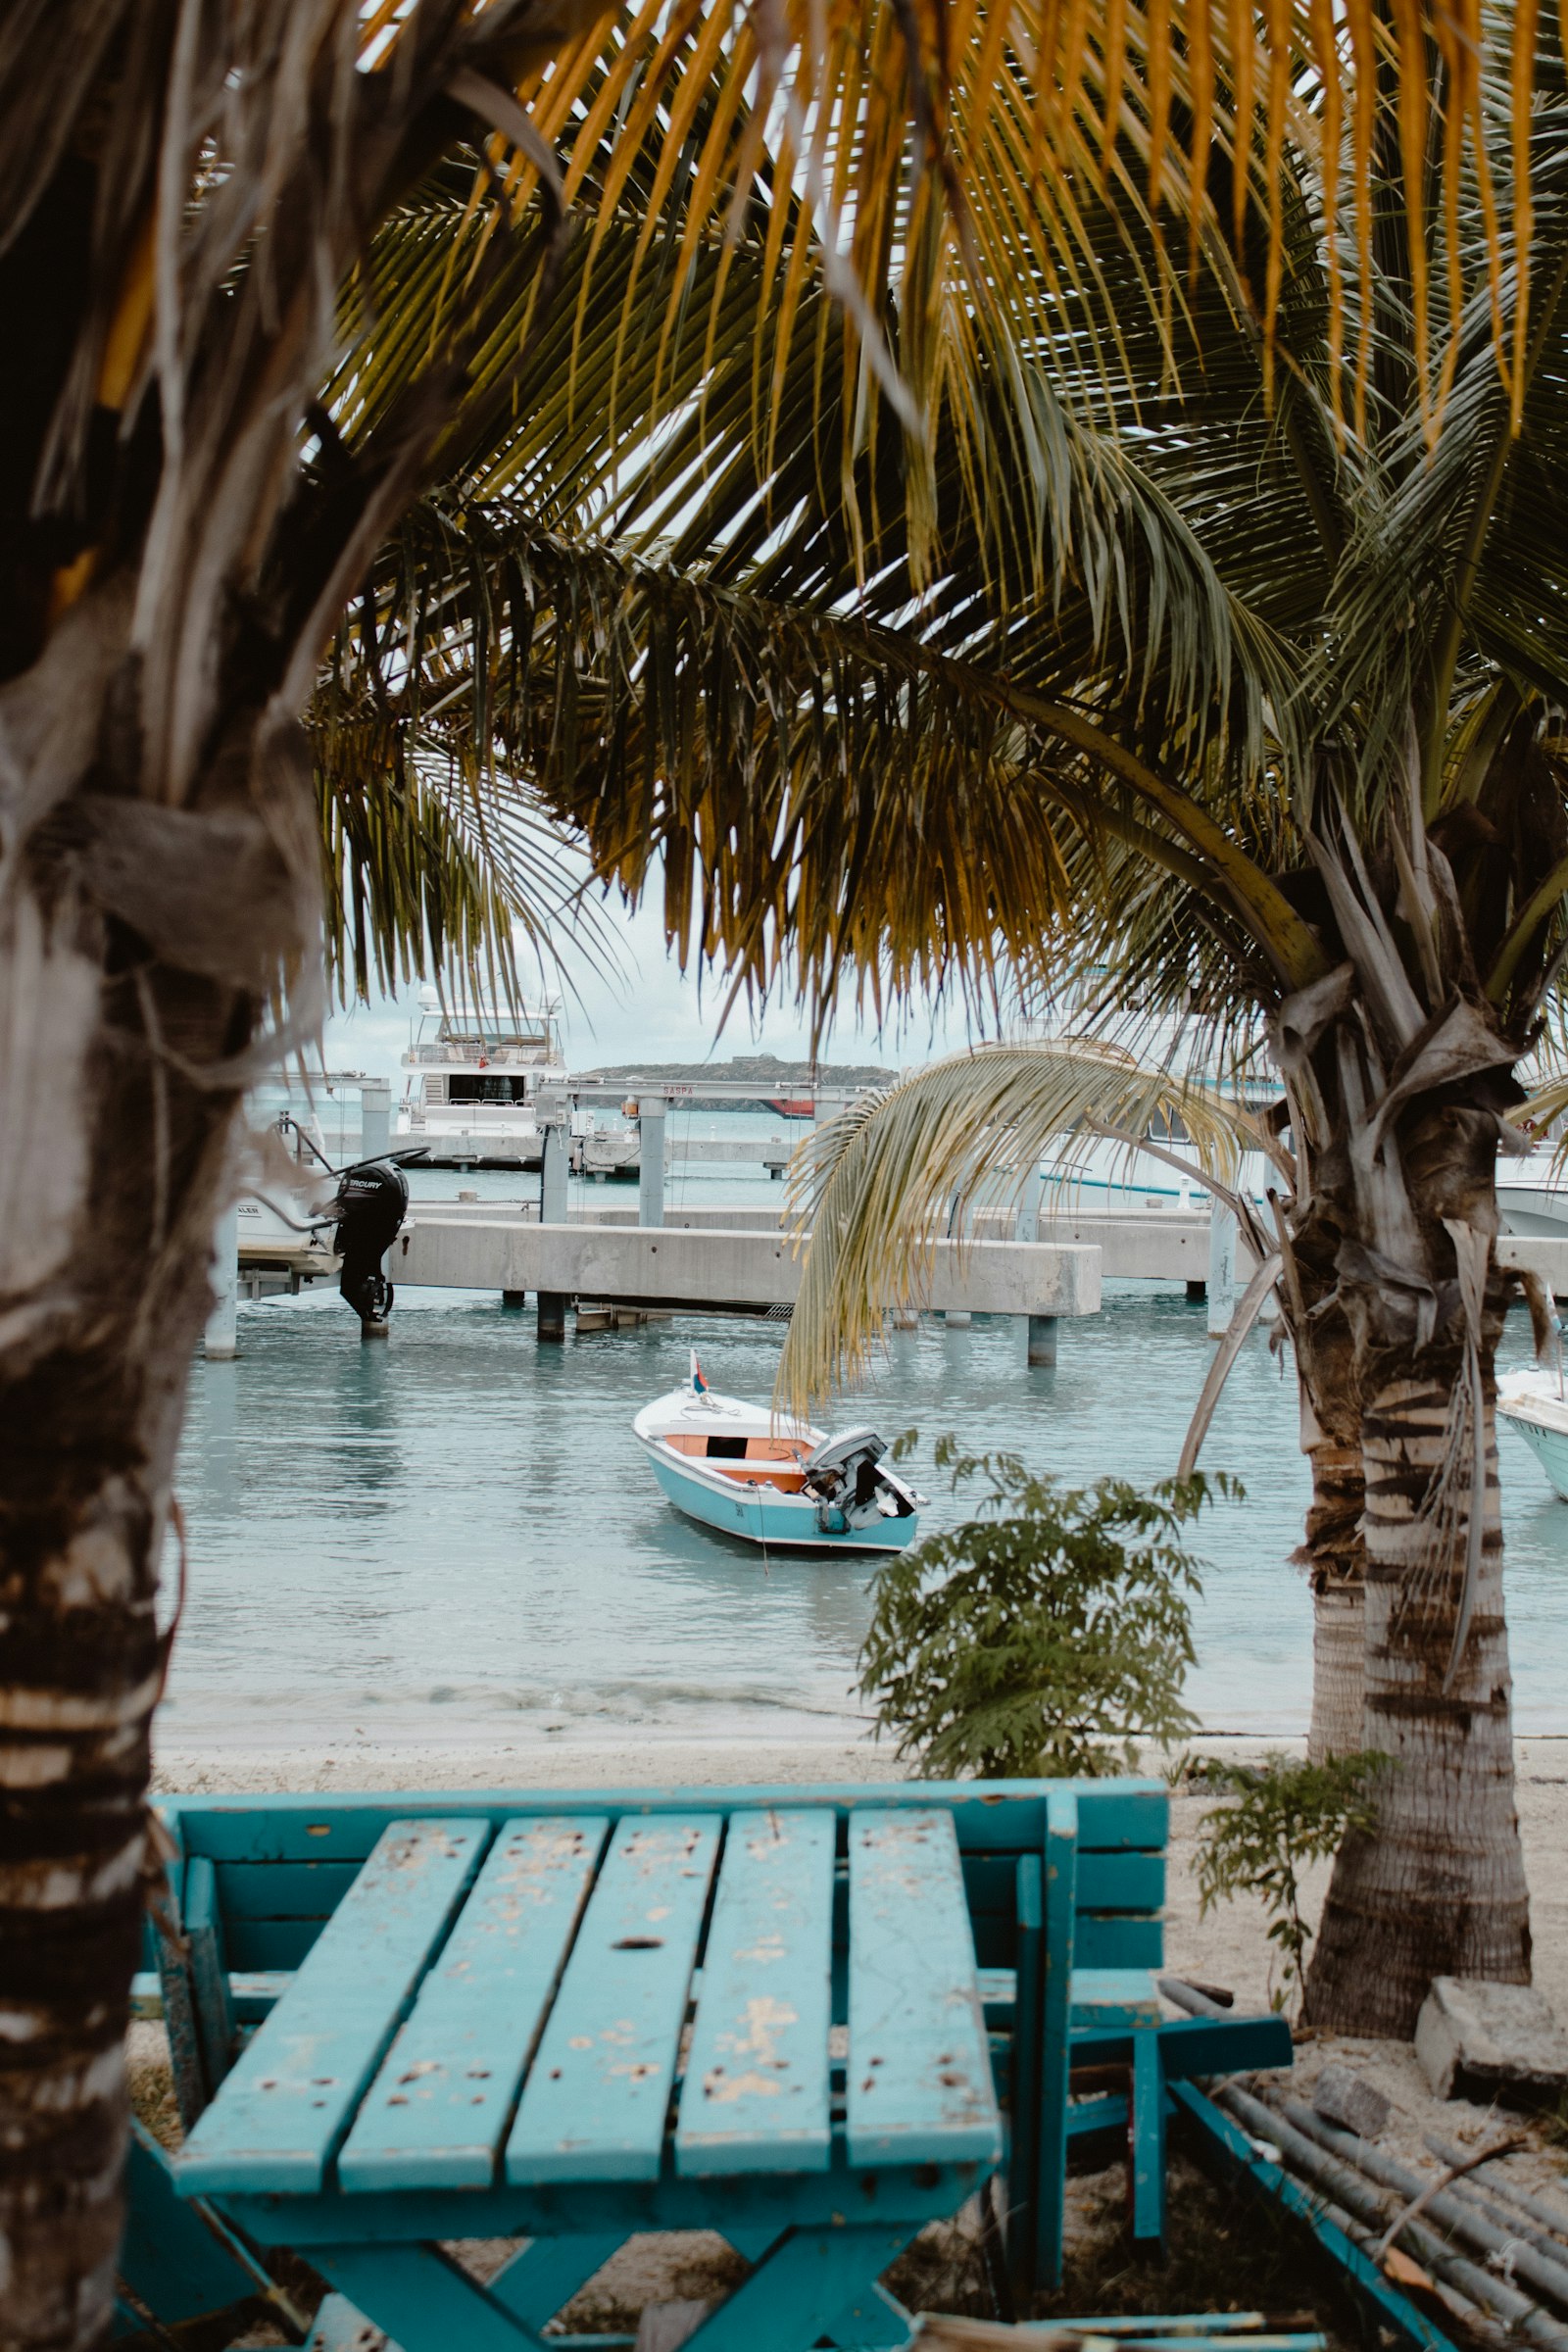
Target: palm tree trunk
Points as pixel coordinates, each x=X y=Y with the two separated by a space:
x=1439 y=1888
x=1333 y=1552
x=112 y=1169
x=1333 y=1555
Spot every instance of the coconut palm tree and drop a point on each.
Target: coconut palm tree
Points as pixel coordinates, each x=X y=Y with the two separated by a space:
x=1221 y=637
x=213 y=417
x=873 y=1185
x=237 y=370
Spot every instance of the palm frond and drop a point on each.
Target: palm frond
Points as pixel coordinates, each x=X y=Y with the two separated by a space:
x=430 y=873
x=879 y=1185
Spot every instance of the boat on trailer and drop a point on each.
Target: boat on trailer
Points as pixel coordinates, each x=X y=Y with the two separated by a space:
x=772 y=1480
x=1533 y=1403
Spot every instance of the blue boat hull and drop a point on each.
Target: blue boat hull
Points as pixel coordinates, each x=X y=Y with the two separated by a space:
x=775 y=1520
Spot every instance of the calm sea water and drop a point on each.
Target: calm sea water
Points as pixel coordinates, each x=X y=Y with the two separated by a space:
x=455 y=1533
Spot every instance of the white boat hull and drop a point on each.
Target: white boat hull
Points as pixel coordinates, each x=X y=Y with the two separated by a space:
x=1530 y=1403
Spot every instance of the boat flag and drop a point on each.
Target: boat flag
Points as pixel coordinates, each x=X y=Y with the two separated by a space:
x=699 y=1384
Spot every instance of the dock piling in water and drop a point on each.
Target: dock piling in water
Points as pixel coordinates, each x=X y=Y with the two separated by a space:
x=1042 y=1340
x=375 y=1118
x=651 y=1163
x=1221 y=1271
x=220 y=1342
x=554 y=1161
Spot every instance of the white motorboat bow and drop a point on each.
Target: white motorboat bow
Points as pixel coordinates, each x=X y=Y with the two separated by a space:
x=1533 y=1403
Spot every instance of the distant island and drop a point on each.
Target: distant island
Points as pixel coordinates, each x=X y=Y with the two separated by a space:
x=778 y=1083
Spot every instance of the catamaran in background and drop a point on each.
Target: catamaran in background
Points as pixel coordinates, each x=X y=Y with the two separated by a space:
x=473 y=1076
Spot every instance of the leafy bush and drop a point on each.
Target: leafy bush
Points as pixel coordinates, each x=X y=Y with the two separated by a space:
x=1046 y=1636
x=1282 y=1815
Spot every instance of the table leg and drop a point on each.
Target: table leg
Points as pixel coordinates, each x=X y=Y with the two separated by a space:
x=548 y=2272
x=817 y=2282
x=421 y=2299
x=874 y=2318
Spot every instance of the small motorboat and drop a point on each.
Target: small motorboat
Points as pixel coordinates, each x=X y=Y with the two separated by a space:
x=1533 y=1403
x=774 y=1481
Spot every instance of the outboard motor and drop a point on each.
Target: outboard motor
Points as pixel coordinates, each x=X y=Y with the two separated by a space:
x=372 y=1201
x=851 y=1486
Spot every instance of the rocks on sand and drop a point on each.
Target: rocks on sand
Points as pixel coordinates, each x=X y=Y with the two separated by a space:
x=1483 y=2042
x=1342 y=2097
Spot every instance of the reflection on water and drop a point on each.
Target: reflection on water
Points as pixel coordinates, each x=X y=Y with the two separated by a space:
x=456 y=1527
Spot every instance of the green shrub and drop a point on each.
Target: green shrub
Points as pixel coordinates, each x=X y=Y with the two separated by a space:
x=1282 y=1815
x=1047 y=1634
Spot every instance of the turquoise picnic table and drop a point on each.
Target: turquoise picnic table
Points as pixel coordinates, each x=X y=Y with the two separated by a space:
x=812 y=2020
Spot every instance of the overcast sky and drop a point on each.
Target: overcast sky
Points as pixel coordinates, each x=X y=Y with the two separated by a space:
x=649 y=1013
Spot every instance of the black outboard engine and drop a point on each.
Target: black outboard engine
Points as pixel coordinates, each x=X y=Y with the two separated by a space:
x=372 y=1201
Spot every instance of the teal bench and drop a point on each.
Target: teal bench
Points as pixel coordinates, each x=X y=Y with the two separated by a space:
x=813 y=2020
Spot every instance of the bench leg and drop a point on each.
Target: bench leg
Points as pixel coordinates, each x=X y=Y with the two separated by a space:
x=817 y=2282
x=877 y=2319
x=339 y=2327
x=1148 y=2139
x=548 y=2272
x=1062 y=1911
x=421 y=2299
x=1022 y=2184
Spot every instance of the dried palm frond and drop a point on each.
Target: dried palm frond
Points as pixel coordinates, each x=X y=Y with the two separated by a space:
x=877 y=1188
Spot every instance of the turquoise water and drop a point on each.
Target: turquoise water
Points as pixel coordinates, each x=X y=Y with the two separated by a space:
x=455 y=1533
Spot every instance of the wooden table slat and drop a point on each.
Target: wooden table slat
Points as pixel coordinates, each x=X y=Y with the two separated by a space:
x=437 y=2112
x=595 y=2102
x=919 y=2070
x=289 y=2098
x=756 y=2097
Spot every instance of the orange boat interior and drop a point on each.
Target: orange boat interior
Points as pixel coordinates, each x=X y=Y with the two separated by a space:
x=779 y=1459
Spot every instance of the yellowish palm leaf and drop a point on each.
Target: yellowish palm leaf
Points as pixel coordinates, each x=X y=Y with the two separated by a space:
x=882 y=1183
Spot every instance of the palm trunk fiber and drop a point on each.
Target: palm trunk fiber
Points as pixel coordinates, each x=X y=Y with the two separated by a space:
x=112 y=1169
x=1333 y=1555
x=1439 y=1888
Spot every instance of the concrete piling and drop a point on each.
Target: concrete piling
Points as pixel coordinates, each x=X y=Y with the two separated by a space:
x=1221 y=1271
x=556 y=1161
x=650 y=1164
x=375 y=1118
x=221 y=1341
x=1042 y=1342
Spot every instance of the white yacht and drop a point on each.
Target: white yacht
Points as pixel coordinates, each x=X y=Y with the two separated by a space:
x=1532 y=1198
x=474 y=1079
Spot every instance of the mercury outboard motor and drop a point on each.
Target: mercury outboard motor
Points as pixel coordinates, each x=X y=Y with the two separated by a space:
x=846 y=1478
x=372 y=1201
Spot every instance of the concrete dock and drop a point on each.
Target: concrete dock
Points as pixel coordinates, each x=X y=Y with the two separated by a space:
x=655 y=1256
x=746 y=1270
